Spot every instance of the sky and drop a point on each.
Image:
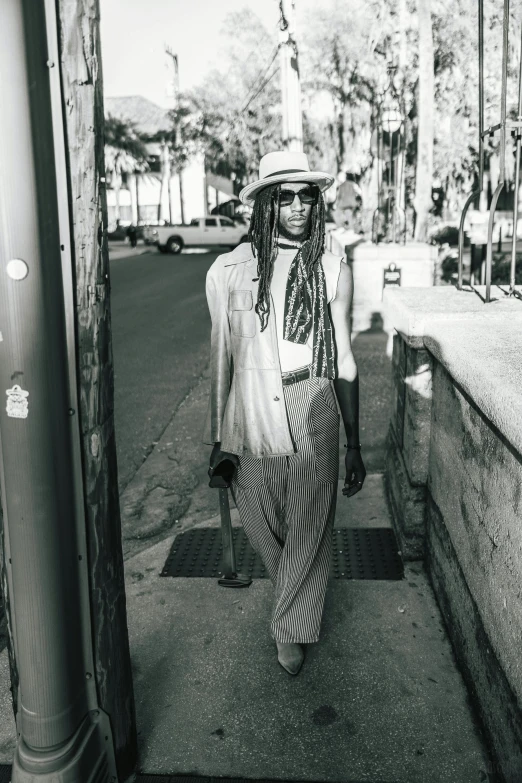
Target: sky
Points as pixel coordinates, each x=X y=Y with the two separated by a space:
x=134 y=34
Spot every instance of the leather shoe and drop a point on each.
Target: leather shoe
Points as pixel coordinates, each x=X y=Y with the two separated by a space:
x=291 y=656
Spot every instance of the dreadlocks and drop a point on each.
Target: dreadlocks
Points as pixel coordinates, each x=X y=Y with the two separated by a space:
x=263 y=235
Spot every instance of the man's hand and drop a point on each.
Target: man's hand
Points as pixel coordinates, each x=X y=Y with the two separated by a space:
x=218 y=456
x=355 y=472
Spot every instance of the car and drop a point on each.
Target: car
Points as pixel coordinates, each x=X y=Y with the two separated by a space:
x=207 y=231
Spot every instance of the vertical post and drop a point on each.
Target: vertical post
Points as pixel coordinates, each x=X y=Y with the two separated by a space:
x=481 y=153
x=181 y=195
x=164 y=205
x=82 y=95
x=392 y=186
x=481 y=92
x=290 y=84
x=137 y=176
x=132 y=178
x=60 y=729
x=502 y=176
x=513 y=271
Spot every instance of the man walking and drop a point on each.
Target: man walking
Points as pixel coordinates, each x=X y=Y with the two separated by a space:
x=280 y=309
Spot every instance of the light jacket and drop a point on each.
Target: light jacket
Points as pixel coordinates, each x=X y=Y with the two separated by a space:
x=246 y=411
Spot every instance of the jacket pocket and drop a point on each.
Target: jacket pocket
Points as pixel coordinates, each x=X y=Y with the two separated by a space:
x=325 y=422
x=242 y=314
x=329 y=397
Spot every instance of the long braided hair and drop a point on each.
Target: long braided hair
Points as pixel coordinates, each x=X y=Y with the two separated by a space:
x=263 y=235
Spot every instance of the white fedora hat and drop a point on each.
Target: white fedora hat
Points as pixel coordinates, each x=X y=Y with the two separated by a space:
x=284 y=167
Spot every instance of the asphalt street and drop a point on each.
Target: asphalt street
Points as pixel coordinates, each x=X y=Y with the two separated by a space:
x=160 y=333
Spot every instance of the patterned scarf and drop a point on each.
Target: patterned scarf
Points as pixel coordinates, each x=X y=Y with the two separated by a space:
x=306 y=307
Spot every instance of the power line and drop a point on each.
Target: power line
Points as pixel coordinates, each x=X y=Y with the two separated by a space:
x=260 y=77
x=262 y=87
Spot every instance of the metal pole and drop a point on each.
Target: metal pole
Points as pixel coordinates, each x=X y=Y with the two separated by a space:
x=379 y=179
x=481 y=146
x=290 y=84
x=60 y=730
x=512 y=277
x=392 y=186
x=503 y=104
x=229 y=559
x=481 y=93
x=502 y=175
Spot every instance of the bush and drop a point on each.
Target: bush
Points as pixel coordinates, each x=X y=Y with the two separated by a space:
x=502 y=269
x=447 y=234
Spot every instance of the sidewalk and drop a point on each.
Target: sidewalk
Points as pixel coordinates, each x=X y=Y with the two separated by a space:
x=379 y=699
x=122 y=249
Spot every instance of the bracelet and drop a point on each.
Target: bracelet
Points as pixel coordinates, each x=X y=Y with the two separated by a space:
x=358 y=446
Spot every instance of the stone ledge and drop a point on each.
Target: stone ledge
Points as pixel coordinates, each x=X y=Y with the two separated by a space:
x=478 y=344
x=411 y=251
x=414 y=311
x=484 y=360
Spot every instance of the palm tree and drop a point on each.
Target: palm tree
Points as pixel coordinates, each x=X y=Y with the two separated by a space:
x=179 y=144
x=125 y=153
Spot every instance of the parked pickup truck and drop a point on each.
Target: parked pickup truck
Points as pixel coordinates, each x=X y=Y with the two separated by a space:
x=201 y=232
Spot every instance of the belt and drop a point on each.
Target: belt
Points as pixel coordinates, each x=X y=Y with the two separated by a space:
x=294 y=376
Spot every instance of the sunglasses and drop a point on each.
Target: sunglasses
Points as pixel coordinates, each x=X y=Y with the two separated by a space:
x=307 y=195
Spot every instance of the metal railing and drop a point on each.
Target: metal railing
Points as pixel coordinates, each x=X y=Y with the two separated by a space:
x=505 y=125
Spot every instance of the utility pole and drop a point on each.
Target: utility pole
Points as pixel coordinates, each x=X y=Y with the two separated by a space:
x=173 y=95
x=173 y=80
x=290 y=85
x=62 y=562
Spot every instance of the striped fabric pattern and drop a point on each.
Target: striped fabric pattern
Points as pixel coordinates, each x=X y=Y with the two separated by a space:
x=287 y=508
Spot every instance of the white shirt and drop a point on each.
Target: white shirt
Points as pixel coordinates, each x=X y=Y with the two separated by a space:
x=292 y=355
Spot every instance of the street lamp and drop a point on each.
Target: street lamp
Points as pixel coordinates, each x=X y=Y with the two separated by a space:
x=391 y=119
x=390 y=143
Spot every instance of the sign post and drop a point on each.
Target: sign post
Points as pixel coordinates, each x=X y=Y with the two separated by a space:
x=391 y=276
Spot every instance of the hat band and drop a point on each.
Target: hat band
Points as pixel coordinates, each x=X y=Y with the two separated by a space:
x=287 y=171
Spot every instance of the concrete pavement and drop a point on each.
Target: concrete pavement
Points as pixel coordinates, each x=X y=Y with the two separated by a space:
x=123 y=249
x=379 y=698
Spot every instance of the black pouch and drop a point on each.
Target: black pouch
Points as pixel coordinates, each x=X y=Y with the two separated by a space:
x=221 y=476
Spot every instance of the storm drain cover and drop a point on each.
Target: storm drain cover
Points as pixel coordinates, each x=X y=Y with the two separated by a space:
x=358 y=553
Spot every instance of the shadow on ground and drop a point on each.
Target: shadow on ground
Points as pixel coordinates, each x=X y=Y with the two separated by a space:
x=374 y=367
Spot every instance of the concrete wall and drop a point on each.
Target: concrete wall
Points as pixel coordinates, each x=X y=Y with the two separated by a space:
x=454 y=481
x=416 y=262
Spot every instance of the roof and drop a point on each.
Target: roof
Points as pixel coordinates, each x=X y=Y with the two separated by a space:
x=148 y=117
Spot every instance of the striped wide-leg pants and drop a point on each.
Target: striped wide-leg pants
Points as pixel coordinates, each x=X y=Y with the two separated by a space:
x=287 y=508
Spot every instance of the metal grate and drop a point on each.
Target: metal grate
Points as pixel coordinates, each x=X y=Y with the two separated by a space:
x=358 y=553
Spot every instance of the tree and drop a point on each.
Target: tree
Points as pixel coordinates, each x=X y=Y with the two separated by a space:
x=344 y=60
x=239 y=104
x=125 y=153
x=180 y=144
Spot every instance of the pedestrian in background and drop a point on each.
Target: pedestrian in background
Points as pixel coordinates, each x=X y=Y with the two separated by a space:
x=282 y=367
x=132 y=233
x=349 y=203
